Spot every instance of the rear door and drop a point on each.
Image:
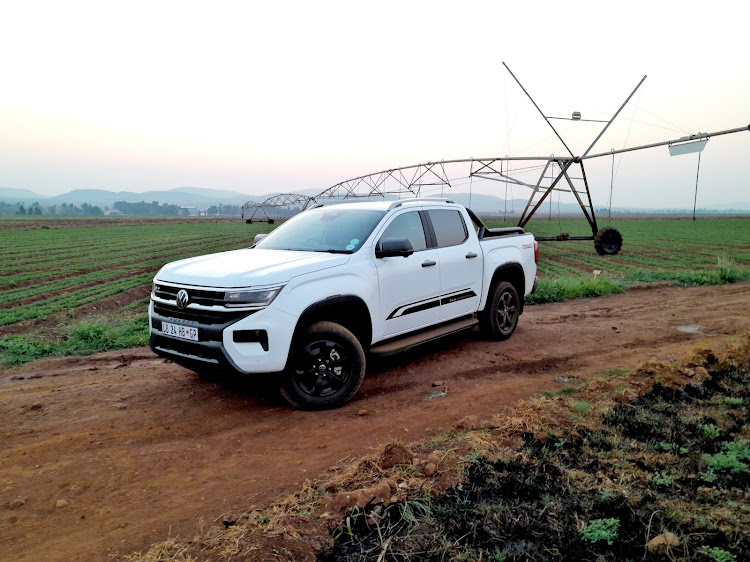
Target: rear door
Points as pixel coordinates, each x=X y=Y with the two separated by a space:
x=460 y=260
x=409 y=287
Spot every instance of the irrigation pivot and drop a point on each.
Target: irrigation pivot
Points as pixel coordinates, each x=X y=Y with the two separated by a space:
x=556 y=174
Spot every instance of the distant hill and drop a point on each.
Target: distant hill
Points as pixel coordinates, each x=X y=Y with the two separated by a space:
x=183 y=196
x=12 y=195
x=203 y=198
x=204 y=192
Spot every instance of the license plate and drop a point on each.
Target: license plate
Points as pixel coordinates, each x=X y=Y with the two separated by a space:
x=177 y=331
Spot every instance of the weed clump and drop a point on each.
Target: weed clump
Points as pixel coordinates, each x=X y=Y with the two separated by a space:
x=731 y=461
x=92 y=335
x=600 y=530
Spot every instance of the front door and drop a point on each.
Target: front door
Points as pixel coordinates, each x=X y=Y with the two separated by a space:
x=409 y=287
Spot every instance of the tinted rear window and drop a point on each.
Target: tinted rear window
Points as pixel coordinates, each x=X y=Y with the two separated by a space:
x=450 y=229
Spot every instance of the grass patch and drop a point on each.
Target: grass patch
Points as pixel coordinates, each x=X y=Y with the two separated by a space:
x=690 y=278
x=92 y=335
x=582 y=407
x=567 y=287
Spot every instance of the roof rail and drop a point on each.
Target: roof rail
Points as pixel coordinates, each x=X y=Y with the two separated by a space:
x=400 y=202
x=333 y=201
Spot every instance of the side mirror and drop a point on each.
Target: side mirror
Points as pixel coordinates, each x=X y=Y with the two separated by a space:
x=258 y=238
x=392 y=247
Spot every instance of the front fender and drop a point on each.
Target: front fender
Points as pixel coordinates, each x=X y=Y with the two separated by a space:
x=331 y=287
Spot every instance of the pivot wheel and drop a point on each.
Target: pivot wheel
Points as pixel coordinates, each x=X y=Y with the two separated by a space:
x=608 y=241
x=500 y=317
x=326 y=368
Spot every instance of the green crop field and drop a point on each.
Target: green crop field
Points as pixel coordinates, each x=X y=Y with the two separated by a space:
x=70 y=287
x=680 y=251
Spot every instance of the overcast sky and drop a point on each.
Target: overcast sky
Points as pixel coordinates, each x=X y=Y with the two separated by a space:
x=260 y=97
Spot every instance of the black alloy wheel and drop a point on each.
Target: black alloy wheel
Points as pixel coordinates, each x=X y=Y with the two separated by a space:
x=500 y=317
x=326 y=368
x=323 y=369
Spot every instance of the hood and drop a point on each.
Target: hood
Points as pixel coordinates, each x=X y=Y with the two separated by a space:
x=247 y=268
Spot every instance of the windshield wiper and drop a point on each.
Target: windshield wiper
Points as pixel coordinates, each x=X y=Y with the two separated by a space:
x=335 y=251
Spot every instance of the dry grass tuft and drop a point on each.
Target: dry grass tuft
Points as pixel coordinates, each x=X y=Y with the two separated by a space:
x=167 y=551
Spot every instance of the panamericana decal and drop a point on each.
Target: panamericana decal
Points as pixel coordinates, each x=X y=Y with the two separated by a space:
x=419 y=306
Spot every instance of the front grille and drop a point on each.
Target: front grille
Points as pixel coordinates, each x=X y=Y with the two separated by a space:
x=198 y=296
x=201 y=316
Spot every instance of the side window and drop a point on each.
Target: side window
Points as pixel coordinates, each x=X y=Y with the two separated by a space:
x=408 y=225
x=449 y=226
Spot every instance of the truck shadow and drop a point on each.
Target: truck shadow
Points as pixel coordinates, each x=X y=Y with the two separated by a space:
x=256 y=391
x=384 y=375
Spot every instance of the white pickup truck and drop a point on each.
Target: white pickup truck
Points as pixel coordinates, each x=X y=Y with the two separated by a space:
x=336 y=283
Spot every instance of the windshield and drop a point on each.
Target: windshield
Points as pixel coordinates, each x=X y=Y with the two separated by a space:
x=325 y=229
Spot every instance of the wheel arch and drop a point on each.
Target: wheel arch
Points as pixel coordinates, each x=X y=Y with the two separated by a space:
x=512 y=273
x=349 y=311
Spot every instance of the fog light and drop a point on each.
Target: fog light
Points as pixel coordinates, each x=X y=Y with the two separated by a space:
x=251 y=336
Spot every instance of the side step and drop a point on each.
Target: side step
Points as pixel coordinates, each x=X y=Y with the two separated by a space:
x=413 y=340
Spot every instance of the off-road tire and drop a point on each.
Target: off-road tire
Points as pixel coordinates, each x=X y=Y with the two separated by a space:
x=608 y=241
x=499 y=318
x=325 y=369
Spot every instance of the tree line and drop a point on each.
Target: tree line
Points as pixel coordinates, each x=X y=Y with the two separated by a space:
x=142 y=208
x=35 y=209
x=225 y=210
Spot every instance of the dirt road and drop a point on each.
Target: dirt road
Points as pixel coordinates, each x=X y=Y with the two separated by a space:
x=104 y=455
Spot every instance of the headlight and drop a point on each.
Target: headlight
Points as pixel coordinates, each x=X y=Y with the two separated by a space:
x=257 y=297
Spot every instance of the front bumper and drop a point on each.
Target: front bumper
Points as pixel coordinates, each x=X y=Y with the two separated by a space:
x=230 y=340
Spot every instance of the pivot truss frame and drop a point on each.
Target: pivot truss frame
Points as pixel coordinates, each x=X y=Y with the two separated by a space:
x=279 y=206
x=411 y=180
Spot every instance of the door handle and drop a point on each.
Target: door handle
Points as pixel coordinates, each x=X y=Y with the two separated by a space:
x=429 y=263
x=470 y=255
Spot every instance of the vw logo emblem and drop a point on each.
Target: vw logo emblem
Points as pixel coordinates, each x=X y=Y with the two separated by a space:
x=182 y=298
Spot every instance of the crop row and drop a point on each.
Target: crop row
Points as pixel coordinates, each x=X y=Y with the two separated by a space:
x=136 y=246
x=22 y=256
x=76 y=266
x=30 y=245
x=111 y=256
x=101 y=275
x=67 y=301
